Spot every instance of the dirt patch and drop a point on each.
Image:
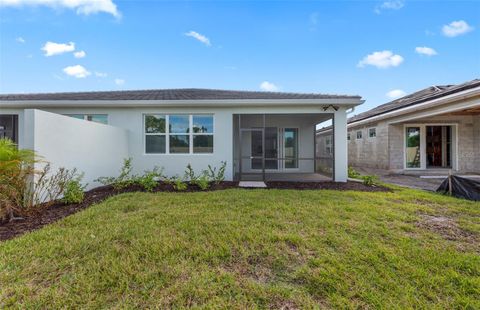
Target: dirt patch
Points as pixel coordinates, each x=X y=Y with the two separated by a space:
x=447 y=228
x=282 y=304
x=354 y=186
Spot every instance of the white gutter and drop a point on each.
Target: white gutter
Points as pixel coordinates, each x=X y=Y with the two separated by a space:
x=347 y=102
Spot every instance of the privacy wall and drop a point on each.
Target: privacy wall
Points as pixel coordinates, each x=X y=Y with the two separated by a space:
x=92 y=148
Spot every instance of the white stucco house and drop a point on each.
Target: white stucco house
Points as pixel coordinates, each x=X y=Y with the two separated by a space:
x=260 y=135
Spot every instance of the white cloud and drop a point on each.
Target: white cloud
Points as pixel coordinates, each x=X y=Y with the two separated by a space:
x=20 y=40
x=267 y=86
x=85 y=7
x=396 y=93
x=77 y=71
x=199 y=37
x=79 y=54
x=119 y=81
x=52 y=48
x=423 y=50
x=382 y=60
x=100 y=74
x=456 y=28
x=389 y=5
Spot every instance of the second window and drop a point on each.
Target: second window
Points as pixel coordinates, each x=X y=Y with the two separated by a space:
x=178 y=134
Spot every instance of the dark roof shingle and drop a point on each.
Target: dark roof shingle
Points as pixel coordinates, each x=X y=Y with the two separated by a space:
x=170 y=94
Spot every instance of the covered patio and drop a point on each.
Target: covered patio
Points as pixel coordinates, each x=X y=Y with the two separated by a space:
x=281 y=147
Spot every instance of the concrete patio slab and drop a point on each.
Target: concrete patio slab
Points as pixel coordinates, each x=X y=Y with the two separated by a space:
x=252 y=184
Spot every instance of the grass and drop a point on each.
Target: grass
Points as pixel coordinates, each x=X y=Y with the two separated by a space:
x=250 y=249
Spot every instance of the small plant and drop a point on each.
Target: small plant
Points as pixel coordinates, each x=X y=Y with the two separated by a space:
x=369 y=180
x=219 y=176
x=203 y=182
x=178 y=184
x=74 y=190
x=48 y=186
x=352 y=173
x=123 y=180
x=150 y=179
x=190 y=175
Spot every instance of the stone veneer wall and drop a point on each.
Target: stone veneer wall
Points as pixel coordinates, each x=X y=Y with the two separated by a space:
x=386 y=151
x=369 y=152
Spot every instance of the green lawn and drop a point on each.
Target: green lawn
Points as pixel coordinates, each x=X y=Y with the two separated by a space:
x=251 y=249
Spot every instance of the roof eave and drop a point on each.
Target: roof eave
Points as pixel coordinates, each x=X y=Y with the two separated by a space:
x=345 y=102
x=472 y=92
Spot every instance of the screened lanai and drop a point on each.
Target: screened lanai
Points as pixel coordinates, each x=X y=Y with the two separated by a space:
x=279 y=147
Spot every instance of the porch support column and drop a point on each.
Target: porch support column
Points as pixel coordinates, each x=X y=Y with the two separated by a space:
x=340 y=163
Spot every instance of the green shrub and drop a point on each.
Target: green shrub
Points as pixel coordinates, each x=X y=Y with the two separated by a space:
x=190 y=175
x=16 y=169
x=219 y=176
x=178 y=184
x=123 y=180
x=74 y=190
x=370 y=180
x=49 y=186
x=352 y=173
x=24 y=186
x=203 y=182
x=150 y=179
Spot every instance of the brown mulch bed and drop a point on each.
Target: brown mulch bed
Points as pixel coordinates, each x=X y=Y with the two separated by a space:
x=44 y=216
x=354 y=186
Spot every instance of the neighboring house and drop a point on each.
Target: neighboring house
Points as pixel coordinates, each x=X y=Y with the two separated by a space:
x=432 y=130
x=260 y=135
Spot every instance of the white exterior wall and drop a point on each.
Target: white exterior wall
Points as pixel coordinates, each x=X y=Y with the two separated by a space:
x=94 y=149
x=46 y=127
x=340 y=162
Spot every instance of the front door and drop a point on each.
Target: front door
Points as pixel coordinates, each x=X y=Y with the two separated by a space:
x=252 y=154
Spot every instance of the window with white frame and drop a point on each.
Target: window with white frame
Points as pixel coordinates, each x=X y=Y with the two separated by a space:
x=178 y=134
x=372 y=132
x=155 y=134
x=359 y=134
x=202 y=133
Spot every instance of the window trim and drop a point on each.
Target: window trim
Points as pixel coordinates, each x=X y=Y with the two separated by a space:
x=167 y=134
x=356 y=134
x=368 y=132
x=145 y=134
x=193 y=134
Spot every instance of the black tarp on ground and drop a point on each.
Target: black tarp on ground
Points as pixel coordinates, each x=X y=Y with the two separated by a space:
x=462 y=188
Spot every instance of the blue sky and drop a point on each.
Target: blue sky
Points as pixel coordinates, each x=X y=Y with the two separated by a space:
x=347 y=47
